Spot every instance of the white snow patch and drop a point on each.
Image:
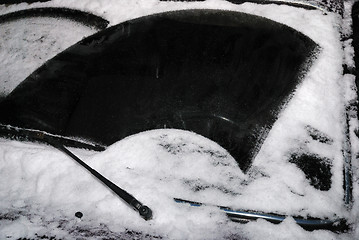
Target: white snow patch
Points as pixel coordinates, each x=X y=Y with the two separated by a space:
x=31 y=42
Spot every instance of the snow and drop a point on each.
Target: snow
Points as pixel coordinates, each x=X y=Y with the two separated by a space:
x=31 y=42
x=41 y=189
x=58 y=185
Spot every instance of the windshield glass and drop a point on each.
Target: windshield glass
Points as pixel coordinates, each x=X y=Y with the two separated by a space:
x=295 y=123
x=224 y=75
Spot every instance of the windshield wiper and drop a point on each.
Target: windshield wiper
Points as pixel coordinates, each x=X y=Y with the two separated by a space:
x=244 y=216
x=57 y=142
x=144 y=211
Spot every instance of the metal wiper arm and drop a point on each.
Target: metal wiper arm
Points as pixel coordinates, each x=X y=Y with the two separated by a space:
x=58 y=142
x=144 y=211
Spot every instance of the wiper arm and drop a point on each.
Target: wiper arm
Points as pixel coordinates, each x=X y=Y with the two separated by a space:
x=144 y=211
x=58 y=142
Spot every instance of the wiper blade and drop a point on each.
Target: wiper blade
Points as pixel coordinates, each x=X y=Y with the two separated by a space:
x=244 y=216
x=31 y=135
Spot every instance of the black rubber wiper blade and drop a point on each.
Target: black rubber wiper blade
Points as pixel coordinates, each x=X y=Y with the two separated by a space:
x=31 y=135
x=245 y=216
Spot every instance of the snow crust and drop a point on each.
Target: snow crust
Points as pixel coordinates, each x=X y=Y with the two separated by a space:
x=31 y=42
x=41 y=188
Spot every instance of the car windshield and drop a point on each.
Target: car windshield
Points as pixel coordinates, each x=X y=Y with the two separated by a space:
x=217 y=108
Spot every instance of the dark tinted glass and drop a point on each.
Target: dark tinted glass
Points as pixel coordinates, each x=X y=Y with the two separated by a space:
x=224 y=75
